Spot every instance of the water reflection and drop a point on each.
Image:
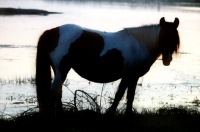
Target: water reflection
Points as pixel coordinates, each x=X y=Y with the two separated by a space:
x=103 y=15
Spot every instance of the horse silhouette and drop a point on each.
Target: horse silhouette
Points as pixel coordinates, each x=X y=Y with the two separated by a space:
x=101 y=57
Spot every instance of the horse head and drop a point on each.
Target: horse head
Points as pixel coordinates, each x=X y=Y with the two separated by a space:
x=168 y=39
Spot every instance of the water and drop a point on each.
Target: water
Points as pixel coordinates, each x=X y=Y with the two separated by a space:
x=177 y=84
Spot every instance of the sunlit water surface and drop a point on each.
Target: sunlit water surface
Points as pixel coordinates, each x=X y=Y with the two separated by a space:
x=177 y=84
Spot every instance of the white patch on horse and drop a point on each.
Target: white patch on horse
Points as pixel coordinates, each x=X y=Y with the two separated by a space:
x=68 y=34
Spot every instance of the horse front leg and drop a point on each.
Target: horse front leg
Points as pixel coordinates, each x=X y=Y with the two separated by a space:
x=130 y=95
x=120 y=92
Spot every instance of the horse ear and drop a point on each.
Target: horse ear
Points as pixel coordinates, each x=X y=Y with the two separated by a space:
x=176 y=22
x=162 y=21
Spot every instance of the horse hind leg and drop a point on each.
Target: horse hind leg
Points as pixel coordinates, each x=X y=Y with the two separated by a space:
x=56 y=88
x=55 y=103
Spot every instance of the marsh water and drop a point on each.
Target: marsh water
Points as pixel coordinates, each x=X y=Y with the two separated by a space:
x=175 y=85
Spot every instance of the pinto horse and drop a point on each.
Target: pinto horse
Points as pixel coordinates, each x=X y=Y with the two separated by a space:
x=101 y=57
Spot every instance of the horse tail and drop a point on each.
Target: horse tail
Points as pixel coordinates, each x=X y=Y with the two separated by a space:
x=46 y=44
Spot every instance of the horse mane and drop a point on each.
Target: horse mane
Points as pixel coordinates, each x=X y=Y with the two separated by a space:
x=146 y=35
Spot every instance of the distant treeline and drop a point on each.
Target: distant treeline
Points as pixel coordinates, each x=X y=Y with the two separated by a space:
x=19 y=11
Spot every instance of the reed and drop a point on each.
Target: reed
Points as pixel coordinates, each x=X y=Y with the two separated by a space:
x=77 y=118
x=85 y=112
x=18 y=80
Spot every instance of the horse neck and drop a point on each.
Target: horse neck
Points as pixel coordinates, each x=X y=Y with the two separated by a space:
x=147 y=36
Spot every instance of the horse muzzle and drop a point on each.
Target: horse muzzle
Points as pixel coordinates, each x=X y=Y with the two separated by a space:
x=167 y=58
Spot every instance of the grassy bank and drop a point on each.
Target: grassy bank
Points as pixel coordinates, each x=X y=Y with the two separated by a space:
x=162 y=120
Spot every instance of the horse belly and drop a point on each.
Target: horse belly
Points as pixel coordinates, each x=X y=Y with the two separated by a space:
x=103 y=69
x=84 y=57
x=98 y=73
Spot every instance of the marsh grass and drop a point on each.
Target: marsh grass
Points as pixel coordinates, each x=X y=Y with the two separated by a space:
x=85 y=112
x=77 y=118
x=18 y=80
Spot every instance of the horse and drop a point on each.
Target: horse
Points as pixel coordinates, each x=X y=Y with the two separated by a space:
x=100 y=57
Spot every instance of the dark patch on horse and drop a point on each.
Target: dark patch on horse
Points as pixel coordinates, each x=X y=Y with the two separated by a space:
x=143 y=69
x=101 y=69
x=110 y=64
x=84 y=57
x=85 y=49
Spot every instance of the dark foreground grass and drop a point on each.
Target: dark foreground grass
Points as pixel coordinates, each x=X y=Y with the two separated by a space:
x=162 y=120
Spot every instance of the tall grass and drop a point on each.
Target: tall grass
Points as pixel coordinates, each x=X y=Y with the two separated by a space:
x=18 y=80
x=85 y=112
